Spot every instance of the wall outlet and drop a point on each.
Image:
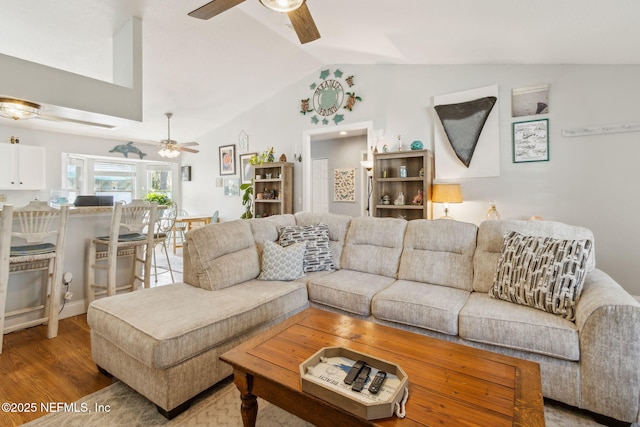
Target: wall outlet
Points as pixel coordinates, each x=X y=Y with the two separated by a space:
x=68 y=295
x=3 y=198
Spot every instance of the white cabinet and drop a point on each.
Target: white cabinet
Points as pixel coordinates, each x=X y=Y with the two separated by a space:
x=22 y=167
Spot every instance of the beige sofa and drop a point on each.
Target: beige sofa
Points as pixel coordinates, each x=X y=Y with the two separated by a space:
x=430 y=277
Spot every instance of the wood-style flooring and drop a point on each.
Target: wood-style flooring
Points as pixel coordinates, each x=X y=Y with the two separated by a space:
x=35 y=370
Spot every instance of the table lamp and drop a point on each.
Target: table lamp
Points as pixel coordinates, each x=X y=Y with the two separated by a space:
x=446 y=193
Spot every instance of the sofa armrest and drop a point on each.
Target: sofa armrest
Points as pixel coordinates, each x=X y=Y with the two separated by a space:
x=608 y=321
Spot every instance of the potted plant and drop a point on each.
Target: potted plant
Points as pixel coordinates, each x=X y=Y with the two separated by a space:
x=161 y=198
x=247 y=200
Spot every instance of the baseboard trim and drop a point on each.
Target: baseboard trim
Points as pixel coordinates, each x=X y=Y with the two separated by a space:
x=73 y=308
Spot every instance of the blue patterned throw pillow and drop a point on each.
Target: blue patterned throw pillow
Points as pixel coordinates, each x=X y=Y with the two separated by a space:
x=282 y=263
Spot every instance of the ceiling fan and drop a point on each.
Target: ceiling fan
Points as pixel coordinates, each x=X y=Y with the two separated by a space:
x=170 y=147
x=297 y=11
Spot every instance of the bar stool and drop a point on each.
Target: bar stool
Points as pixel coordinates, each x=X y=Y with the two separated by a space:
x=138 y=218
x=38 y=222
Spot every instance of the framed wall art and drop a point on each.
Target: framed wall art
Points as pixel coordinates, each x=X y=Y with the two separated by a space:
x=246 y=173
x=185 y=172
x=531 y=141
x=228 y=160
x=231 y=187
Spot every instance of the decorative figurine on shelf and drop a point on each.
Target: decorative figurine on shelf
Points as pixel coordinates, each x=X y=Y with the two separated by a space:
x=492 y=213
x=385 y=148
x=421 y=172
x=399 y=142
x=400 y=200
x=419 y=198
x=386 y=199
x=271 y=157
x=417 y=145
x=283 y=157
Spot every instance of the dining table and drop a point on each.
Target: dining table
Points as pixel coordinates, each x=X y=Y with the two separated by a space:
x=186 y=223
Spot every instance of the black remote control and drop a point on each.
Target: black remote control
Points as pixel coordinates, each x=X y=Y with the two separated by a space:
x=354 y=371
x=374 y=387
x=358 y=384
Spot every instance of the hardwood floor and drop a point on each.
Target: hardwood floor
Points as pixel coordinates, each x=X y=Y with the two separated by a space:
x=35 y=370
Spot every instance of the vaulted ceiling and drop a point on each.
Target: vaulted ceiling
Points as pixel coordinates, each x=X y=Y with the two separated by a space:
x=209 y=71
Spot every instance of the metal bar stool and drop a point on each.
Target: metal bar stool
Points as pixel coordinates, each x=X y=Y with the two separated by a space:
x=138 y=218
x=37 y=223
x=164 y=226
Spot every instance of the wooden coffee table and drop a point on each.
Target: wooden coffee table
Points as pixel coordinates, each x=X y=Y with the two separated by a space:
x=449 y=384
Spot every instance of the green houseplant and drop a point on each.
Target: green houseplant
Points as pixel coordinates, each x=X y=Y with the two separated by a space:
x=160 y=198
x=247 y=200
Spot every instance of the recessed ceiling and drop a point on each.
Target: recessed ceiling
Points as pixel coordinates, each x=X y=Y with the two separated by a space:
x=208 y=72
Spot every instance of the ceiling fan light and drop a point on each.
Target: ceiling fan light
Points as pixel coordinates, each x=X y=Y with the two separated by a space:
x=17 y=109
x=169 y=152
x=282 y=5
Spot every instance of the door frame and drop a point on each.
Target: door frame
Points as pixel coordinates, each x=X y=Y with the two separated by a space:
x=327 y=133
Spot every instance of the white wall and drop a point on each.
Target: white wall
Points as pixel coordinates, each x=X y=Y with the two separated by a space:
x=589 y=181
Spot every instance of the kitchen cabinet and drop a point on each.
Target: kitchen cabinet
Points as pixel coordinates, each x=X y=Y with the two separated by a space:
x=22 y=167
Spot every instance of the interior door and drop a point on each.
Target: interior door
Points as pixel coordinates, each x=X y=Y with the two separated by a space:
x=319 y=185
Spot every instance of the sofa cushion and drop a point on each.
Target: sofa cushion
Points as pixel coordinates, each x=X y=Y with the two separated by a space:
x=418 y=304
x=338 y=225
x=373 y=245
x=165 y=335
x=541 y=272
x=501 y=323
x=439 y=252
x=282 y=263
x=491 y=235
x=264 y=229
x=318 y=256
x=221 y=255
x=347 y=290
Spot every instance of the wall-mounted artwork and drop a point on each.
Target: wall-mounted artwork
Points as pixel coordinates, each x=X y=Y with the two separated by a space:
x=228 y=160
x=531 y=141
x=344 y=185
x=246 y=173
x=530 y=101
x=476 y=123
x=243 y=142
x=185 y=173
x=231 y=187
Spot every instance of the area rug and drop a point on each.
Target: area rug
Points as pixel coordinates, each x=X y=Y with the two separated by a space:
x=218 y=406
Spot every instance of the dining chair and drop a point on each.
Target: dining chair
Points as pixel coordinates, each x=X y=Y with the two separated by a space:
x=164 y=227
x=179 y=230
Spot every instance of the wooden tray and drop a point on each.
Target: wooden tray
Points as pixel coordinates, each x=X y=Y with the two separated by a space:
x=322 y=375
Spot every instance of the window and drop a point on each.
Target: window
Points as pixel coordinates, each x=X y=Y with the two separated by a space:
x=125 y=180
x=114 y=179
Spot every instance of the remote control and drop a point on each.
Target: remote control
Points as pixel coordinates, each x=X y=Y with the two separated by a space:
x=353 y=372
x=377 y=382
x=358 y=384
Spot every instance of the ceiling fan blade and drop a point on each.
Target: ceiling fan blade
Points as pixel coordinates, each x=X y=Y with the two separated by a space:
x=188 y=150
x=213 y=8
x=303 y=24
x=189 y=144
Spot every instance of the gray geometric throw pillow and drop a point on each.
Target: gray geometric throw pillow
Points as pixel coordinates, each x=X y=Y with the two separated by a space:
x=279 y=263
x=318 y=256
x=541 y=272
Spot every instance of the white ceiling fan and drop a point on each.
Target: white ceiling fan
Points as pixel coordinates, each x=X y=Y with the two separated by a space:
x=171 y=148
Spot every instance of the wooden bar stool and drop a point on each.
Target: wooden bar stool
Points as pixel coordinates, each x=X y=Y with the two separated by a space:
x=138 y=219
x=37 y=223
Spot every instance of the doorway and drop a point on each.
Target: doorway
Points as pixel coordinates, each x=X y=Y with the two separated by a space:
x=318 y=136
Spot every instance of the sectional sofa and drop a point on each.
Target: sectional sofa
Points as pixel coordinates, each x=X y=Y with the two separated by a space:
x=443 y=278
